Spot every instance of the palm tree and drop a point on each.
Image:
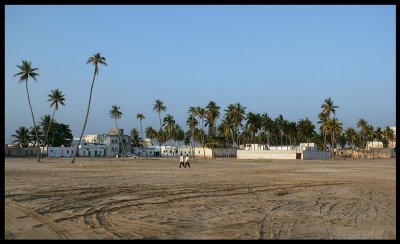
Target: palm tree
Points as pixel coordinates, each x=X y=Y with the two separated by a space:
x=253 y=124
x=192 y=122
x=158 y=107
x=135 y=139
x=22 y=137
x=115 y=114
x=141 y=117
x=236 y=114
x=27 y=71
x=56 y=97
x=96 y=59
x=351 y=135
x=266 y=125
x=379 y=135
x=169 y=123
x=201 y=113
x=151 y=133
x=389 y=135
x=335 y=127
x=362 y=123
x=327 y=109
x=324 y=121
x=279 y=121
x=212 y=114
x=192 y=112
x=370 y=134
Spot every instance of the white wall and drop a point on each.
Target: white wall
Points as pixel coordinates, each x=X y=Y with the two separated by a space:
x=265 y=154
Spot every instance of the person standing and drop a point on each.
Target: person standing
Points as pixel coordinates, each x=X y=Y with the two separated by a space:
x=187 y=161
x=181 y=162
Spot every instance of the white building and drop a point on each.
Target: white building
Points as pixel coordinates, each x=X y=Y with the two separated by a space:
x=85 y=150
x=374 y=144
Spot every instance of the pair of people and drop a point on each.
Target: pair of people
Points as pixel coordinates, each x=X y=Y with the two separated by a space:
x=184 y=162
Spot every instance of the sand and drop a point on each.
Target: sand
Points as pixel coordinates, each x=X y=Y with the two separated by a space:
x=129 y=198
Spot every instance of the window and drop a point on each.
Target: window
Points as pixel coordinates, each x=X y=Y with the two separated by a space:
x=84 y=152
x=67 y=151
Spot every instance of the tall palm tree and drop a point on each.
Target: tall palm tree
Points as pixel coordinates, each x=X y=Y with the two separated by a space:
x=169 y=123
x=141 y=117
x=55 y=97
x=96 y=60
x=379 y=135
x=351 y=135
x=389 y=135
x=324 y=121
x=212 y=114
x=22 y=137
x=362 y=124
x=327 y=109
x=115 y=114
x=201 y=113
x=26 y=71
x=279 y=121
x=253 y=124
x=335 y=127
x=192 y=122
x=370 y=134
x=266 y=125
x=236 y=114
x=192 y=112
x=158 y=107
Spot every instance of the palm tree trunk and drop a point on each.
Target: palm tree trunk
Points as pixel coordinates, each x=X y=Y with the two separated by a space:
x=324 y=146
x=34 y=123
x=87 y=115
x=47 y=134
x=141 y=130
x=333 y=146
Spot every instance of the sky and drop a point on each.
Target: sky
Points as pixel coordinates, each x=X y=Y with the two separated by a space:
x=276 y=59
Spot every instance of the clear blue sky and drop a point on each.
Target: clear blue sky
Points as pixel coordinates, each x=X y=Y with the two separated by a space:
x=275 y=59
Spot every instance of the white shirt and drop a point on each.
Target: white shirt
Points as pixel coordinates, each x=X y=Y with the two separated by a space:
x=181 y=158
x=187 y=159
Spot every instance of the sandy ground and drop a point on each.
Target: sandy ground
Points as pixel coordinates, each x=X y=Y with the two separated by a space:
x=130 y=198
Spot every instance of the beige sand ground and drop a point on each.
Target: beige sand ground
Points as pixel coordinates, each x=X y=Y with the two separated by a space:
x=214 y=199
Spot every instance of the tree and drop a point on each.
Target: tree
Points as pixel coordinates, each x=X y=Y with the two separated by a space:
x=22 y=137
x=201 y=113
x=388 y=135
x=236 y=114
x=379 y=135
x=335 y=127
x=96 y=60
x=55 y=97
x=27 y=71
x=212 y=114
x=192 y=123
x=135 y=139
x=253 y=124
x=158 y=107
x=362 y=124
x=169 y=124
x=351 y=135
x=115 y=114
x=61 y=135
x=141 y=117
x=327 y=109
x=151 y=133
x=324 y=121
x=40 y=135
